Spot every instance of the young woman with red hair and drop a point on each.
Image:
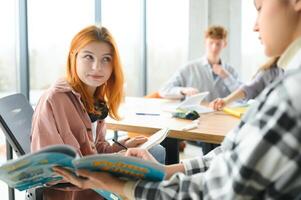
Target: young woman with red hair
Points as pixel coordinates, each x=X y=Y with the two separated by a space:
x=73 y=110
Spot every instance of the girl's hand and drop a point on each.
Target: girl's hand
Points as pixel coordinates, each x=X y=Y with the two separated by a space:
x=135 y=141
x=218 y=104
x=140 y=153
x=92 y=180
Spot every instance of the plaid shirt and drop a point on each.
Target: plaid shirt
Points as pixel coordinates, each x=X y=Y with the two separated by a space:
x=260 y=159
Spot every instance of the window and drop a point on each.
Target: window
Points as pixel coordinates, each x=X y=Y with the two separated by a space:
x=252 y=50
x=8 y=63
x=126 y=27
x=167 y=40
x=8 y=60
x=51 y=27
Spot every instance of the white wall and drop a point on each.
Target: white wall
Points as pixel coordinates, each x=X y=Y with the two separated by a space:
x=198 y=22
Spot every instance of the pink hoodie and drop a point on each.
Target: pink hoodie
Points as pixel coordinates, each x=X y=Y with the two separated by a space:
x=61 y=118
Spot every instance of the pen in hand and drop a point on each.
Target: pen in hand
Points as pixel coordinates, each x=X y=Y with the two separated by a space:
x=118 y=143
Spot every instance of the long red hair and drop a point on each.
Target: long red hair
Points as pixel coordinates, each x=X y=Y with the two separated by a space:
x=111 y=92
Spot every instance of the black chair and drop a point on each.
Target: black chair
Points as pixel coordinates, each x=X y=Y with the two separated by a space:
x=15 y=121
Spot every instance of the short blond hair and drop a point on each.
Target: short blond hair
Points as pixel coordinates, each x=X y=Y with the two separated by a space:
x=216 y=32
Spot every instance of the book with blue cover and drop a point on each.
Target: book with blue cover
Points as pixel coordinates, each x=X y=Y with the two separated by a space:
x=34 y=170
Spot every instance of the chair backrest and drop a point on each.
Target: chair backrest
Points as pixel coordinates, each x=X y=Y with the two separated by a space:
x=15 y=121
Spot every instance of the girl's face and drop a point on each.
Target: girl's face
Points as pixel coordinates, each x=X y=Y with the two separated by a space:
x=276 y=23
x=94 y=64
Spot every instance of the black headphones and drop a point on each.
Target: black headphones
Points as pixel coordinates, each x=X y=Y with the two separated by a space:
x=103 y=110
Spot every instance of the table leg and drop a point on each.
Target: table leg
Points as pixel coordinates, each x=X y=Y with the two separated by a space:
x=207 y=147
x=172 y=150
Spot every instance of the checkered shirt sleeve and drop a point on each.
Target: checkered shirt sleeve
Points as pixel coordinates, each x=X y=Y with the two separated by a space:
x=259 y=159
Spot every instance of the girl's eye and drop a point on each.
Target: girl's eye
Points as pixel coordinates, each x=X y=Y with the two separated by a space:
x=88 y=57
x=106 y=60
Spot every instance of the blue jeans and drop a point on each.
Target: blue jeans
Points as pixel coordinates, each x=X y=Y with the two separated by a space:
x=159 y=153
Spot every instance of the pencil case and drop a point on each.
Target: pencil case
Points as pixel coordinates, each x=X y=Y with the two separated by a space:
x=191 y=115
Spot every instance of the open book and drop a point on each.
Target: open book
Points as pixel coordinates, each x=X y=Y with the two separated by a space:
x=155 y=139
x=194 y=103
x=191 y=103
x=35 y=169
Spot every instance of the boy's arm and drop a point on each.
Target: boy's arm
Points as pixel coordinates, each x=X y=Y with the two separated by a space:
x=232 y=81
x=173 y=87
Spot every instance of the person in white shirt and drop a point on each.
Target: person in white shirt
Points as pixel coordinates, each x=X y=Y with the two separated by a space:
x=208 y=73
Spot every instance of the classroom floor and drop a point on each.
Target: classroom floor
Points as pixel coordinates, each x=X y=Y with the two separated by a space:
x=190 y=151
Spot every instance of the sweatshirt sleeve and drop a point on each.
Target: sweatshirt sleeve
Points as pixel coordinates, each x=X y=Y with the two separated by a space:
x=44 y=130
x=102 y=145
x=260 y=82
x=253 y=88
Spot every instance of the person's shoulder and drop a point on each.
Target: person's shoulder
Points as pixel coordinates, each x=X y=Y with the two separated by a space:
x=195 y=63
x=287 y=89
x=57 y=91
x=271 y=73
x=273 y=69
x=292 y=78
x=292 y=82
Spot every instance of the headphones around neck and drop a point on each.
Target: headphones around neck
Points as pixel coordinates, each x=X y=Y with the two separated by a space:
x=101 y=109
